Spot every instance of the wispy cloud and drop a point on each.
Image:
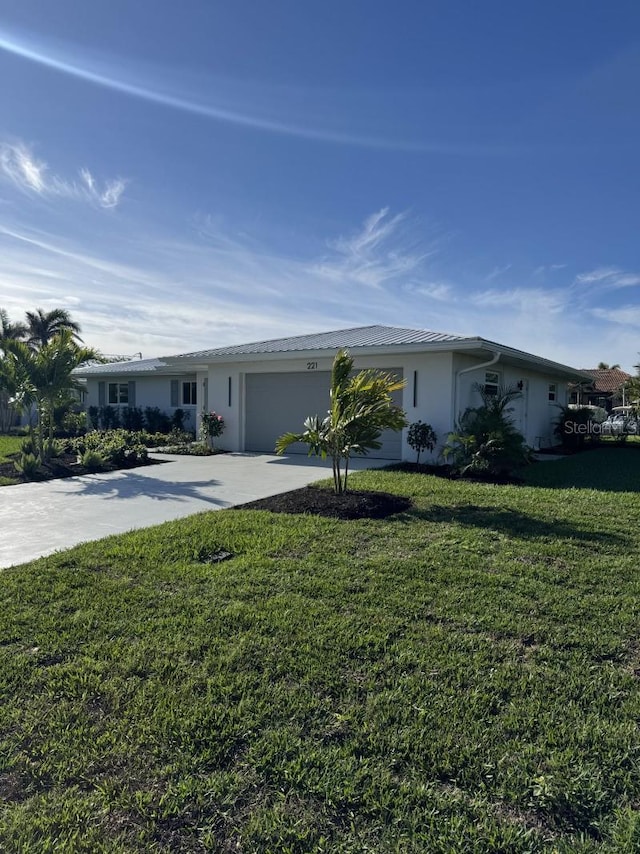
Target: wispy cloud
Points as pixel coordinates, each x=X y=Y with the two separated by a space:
x=216 y=284
x=497 y=272
x=626 y=315
x=611 y=278
x=440 y=291
x=382 y=251
x=543 y=269
x=532 y=300
x=332 y=115
x=20 y=167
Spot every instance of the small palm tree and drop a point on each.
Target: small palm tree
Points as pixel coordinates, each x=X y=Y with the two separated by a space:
x=42 y=326
x=361 y=408
x=45 y=376
x=485 y=439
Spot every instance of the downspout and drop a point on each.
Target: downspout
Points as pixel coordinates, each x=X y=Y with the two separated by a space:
x=456 y=384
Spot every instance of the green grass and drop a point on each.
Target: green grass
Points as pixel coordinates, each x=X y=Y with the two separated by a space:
x=609 y=469
x=9 y=445
x=459 y=678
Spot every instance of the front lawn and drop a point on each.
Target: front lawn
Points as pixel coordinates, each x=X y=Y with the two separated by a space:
x=461 y=677
x=9 y=445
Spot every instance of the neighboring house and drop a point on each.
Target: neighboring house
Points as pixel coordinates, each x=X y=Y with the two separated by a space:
x=267 y=388
x=605 y=388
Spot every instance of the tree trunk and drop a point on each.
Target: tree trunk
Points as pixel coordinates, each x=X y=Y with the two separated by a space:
x=41 y=429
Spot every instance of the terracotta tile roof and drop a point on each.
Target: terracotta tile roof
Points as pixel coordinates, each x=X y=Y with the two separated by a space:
x=607 y=380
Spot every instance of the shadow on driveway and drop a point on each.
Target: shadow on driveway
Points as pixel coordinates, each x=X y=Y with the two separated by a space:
x=131 y=485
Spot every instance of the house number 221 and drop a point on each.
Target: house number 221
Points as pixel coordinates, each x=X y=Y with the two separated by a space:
x=312 y=366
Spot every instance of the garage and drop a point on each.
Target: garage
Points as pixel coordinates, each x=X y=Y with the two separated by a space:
x=277 y=403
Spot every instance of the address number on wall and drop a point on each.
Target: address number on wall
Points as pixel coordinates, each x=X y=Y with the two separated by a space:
x=312 y=366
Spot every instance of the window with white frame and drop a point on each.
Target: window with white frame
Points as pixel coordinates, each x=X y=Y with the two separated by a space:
x=118 y=394
x=491 y=383
x=189 y=393
x=553 y=392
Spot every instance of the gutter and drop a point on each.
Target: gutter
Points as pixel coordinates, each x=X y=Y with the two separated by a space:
x=456 y=386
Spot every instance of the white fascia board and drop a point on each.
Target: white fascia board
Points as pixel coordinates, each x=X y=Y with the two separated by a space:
x=325 y=352
x=538 y=363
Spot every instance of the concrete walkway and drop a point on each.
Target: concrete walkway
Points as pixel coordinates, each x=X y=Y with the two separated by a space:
x=37 y=519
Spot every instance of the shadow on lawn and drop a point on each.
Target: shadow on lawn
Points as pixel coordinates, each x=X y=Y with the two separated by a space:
x=132 y=485
x=513 y=523
x=605 y=469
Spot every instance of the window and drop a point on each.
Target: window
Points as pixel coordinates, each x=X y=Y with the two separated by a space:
x=189 y=394
x=118 y=393
x=491 y=383
x=553 y=392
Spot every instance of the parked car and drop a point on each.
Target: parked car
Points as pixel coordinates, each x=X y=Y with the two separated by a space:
x=618 y=424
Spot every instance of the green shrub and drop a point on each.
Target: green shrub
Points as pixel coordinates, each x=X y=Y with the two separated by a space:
x=94 y=417
x=485 y=440
x=177 y=421
x=28 y=446
x=28 y=465
x=574 y=427
x=117 y=447
x=108 y=418
x=156 y=420
x=132 y=418
x=52 y=449
x=190 y=449
x=421 y=437
x=93 y=460
x=74 y=423
x=158 y=440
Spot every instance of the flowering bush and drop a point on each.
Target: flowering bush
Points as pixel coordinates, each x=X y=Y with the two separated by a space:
x=212 y=425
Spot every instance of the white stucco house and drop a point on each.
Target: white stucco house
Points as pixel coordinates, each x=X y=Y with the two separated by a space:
x=267 y=388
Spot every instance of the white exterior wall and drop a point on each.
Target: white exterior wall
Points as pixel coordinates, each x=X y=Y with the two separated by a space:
x=533 y=414
x=441 y=392
x=433 y=389
x=150 y=391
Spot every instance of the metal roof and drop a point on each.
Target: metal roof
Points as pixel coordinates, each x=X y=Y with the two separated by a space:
x=361 y=336
x=138 y=366
x=366 y=338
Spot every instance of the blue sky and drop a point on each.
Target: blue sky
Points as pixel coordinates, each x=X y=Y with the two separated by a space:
x=182 y=176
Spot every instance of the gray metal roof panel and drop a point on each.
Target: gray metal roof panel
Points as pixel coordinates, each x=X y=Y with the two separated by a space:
x=137 y=366
x=361 y=336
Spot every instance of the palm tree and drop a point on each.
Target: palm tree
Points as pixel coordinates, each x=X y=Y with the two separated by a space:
x=9 y=330
x=45 y=376
x=43 y=325
x=361 y=408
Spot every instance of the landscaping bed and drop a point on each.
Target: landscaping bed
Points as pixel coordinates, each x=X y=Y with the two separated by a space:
x=447 y=471
x=64 y=466
x=323 y=502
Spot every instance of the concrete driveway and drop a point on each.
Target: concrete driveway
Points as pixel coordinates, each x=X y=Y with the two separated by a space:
x=37 y=519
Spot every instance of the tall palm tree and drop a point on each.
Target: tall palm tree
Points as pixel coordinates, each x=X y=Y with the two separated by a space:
x=361 y=408
x=44 y=376
x=9 y=330
x=43 y=325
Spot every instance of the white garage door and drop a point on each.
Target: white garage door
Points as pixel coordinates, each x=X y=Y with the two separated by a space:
x=277 y=403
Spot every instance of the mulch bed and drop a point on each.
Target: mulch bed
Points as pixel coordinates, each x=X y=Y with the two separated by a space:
x=448 y=472
x=65 y=466
x=323 y=502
